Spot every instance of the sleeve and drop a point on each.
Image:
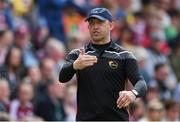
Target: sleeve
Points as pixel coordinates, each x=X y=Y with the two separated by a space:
x=67 y=71
x=133 y=74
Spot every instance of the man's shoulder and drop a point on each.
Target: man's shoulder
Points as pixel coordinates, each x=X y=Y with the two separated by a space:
x=75 y=51
x=119 y=48
x=121 y=52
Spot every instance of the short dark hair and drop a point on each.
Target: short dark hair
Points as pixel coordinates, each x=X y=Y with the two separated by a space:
x=158 y=66
x=170 y=104
x=2 y=32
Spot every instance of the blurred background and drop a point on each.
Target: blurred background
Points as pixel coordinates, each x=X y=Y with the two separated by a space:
x=36 y=35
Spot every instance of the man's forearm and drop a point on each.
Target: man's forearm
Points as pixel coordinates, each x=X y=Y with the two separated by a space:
x=141 y=88
x=67 y=72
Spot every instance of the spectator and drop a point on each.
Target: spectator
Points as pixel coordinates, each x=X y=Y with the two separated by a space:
x=75 y=40
x=51 y=12
x=155 y=111
x=13 y=68
x=34 y=74
x=21 y=8
x=156 y=56
x=163 y=6
x=55 y=50
x=6 y=40
x=23 y=41
x=161 y=75
x=152 y=93
x=22 y=107
x=171 y=31
x=70 y=103
x=4 y=95
x=172 y=111
x=136 y=110
x=174 y=58
x=35 y=77
x=141 y=55
x=6 y=21
x=4 y=116
x=47 y=66
x=51 y=106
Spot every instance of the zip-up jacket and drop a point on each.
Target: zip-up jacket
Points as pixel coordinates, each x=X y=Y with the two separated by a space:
x=99 y=85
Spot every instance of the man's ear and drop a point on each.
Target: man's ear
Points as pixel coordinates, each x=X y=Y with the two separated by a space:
x=111 y=24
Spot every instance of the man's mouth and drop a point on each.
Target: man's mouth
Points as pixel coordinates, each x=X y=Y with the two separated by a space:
x=95 y=32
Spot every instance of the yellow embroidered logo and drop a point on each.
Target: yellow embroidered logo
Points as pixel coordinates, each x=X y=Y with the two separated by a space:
x=113 y=64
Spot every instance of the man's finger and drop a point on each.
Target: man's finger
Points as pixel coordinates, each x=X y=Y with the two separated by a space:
x=89 y=59
x=121 y=100
x=123 y=103
x=127 y=103
x=89 y=64
x=89 y=56
x=121 y=95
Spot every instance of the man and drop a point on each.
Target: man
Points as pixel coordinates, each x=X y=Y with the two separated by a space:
x=102 y=69
x=155 y=111
x=161 y=81
x=50 y=106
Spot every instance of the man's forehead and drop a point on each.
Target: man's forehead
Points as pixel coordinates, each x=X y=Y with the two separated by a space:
x=93 y=19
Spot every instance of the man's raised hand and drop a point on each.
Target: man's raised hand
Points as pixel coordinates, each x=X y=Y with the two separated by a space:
x=84 y=60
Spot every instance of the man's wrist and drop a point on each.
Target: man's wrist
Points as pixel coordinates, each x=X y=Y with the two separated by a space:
x=135 y=92
x=74 y=66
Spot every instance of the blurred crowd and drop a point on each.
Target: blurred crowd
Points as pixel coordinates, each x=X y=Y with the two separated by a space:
x=36 y=36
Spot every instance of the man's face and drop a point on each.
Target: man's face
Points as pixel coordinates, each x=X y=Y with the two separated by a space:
x=162 y=73
x=99 y=29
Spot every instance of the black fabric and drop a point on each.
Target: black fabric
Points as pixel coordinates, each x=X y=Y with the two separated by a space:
x=99 y=85
x=101 y=47
x=46 y=109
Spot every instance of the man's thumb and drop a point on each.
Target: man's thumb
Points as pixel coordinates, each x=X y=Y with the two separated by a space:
x=82 y=51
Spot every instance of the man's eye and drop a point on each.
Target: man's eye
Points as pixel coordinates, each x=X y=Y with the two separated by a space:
x=91 y=23
x=100 y=22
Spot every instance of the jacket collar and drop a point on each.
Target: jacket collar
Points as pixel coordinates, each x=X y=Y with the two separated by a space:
x=112 y=47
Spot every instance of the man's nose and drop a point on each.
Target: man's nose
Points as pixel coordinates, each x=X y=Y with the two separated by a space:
x=95 y=25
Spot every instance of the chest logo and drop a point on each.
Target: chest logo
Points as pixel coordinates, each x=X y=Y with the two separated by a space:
x=113 y=64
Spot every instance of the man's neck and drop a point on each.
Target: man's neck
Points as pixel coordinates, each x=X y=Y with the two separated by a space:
x=101 y=42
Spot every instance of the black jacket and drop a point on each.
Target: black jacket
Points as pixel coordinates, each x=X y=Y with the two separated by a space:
x=99 y=85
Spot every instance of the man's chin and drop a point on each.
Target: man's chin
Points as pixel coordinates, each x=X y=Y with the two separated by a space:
x=97 y=39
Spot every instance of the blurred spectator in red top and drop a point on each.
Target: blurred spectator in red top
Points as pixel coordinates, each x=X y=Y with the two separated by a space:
x=21 y=108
